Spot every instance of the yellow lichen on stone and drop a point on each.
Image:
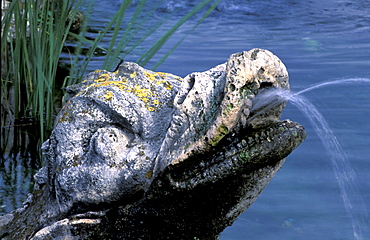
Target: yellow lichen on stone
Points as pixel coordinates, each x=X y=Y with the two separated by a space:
x=169 y=75
x=151 y=76
x=132 y=75
x=103 y=78
x=159 y=78
x=109 y=95
x=163 y=74
x=123 y=80
x=145 y=100
x=149 y=95
x=67 y=116
x=165 y=83
x=121 y=85
x=140 y=92
x=143 y=94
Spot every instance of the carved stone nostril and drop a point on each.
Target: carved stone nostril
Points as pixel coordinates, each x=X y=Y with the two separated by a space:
x=266 y=84
x=232 y=87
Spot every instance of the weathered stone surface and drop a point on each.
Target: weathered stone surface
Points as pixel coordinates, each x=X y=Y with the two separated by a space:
x=137 y=154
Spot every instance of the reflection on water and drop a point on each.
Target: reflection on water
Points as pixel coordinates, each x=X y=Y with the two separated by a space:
x=317 y=41
x=16 y=181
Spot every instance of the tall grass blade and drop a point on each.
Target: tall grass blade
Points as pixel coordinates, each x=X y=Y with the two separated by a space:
x=77 y=73
x=209 y=11
x=118 y=20
x=154 y=49
x=34 y=33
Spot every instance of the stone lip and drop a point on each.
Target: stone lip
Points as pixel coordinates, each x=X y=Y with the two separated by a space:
x=137 y=154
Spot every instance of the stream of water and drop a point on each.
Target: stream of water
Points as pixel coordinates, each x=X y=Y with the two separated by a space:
x=344 y=173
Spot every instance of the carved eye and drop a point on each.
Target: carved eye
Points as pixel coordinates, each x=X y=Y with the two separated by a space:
x=111 y=144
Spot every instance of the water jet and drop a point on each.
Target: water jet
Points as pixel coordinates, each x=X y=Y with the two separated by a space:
x=344 y=173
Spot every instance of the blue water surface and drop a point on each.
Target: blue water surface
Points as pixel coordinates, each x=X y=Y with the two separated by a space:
x=317 y=41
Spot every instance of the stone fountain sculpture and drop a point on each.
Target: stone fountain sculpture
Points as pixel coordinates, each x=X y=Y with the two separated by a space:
x=137 y=154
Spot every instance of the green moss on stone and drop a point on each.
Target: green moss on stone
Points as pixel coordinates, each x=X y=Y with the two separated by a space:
x=229 y=107
x=221 y=131
x=244 y=157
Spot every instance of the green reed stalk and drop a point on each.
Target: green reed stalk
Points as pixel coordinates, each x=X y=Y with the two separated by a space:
x=129 y=33
x=155 y=48
x=34 y=33
x=118 y=22
x=209 y=11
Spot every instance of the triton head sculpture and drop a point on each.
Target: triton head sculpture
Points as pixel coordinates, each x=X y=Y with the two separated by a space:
x=120 y=129
x=146 y=146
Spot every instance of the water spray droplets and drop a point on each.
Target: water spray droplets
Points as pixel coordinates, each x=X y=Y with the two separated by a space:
x=344 y=173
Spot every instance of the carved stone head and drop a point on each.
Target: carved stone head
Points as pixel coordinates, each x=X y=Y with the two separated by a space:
x=120 y=129
x=137 y=154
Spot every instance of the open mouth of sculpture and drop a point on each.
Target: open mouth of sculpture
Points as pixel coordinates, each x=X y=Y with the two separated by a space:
x=251 y=149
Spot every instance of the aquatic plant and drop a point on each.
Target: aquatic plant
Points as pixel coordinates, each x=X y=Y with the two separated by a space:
x=33 y=36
